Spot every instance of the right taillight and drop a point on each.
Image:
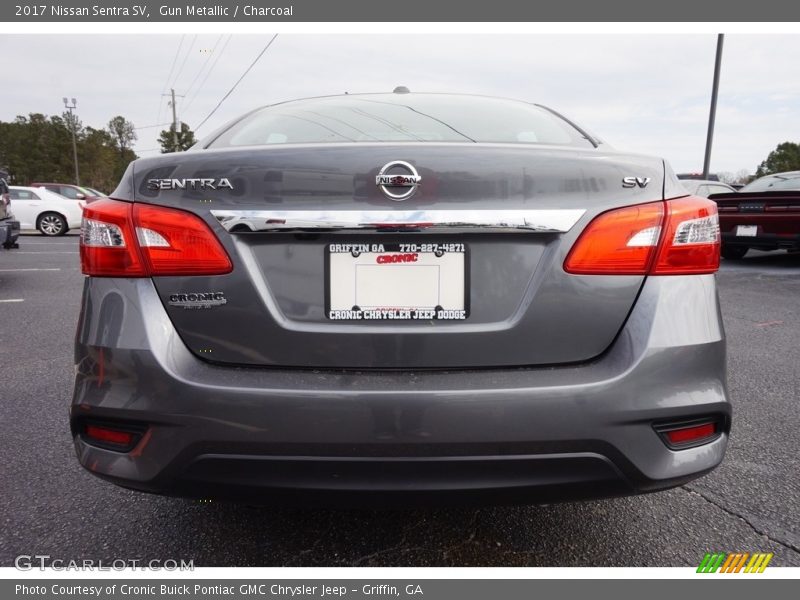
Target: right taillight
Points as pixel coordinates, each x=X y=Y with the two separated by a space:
x=673 y=237
x=123 y=239
x=691 y=238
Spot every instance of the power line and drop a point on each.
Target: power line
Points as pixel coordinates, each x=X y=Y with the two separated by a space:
x=185 y=58
x=151 y=126
x=238 y=81
x=166 y=83
x=208 y=73
x=174 y=60
x=205 y=63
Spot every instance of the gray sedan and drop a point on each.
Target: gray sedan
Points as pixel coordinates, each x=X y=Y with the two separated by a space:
x=386 y=298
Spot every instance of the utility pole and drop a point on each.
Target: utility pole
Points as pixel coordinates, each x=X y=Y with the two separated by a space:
x=74 y=143
x=172 y=94
x=713 y=112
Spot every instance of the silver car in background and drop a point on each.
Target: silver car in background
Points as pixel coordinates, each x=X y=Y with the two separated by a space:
x=705 y=187
x=388 y=298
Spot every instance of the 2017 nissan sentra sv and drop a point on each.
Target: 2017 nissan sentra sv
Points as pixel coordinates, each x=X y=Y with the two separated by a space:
x=385 y=297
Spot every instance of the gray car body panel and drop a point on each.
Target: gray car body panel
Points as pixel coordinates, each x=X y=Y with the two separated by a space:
x=668 y=362
x=524 y=309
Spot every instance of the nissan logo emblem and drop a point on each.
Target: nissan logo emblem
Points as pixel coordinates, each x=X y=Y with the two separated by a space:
x=398 y=180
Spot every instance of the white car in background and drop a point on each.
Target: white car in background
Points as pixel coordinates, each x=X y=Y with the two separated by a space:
x=45 y=211
x=705 y=187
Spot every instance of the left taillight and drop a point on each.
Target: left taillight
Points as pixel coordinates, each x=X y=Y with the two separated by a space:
x=107 y=244
x=123 y=239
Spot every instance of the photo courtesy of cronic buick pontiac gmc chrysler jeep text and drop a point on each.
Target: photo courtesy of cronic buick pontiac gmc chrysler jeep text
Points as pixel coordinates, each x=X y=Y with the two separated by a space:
x=387 y=298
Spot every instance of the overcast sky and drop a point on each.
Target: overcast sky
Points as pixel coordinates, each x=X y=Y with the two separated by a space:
x=647 y=93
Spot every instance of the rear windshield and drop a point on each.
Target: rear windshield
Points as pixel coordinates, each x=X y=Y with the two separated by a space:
x=402 y=118
x=773 y=183
x=23 y=195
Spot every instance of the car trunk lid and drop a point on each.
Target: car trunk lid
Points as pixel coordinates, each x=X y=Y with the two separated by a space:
x=506 y=214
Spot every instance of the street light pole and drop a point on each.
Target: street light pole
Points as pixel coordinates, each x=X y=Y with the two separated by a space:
x=70 y=107
x=712 y=115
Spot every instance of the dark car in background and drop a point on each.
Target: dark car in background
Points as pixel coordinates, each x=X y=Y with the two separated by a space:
x=379 y=298
x=9 y=226
x=764 y=215
x=695 y=175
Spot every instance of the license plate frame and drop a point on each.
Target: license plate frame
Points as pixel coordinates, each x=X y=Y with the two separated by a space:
x=427 y=248
x=746 y=230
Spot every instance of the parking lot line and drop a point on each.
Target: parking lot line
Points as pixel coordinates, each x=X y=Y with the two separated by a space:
x=15 y=270
x=13 y=300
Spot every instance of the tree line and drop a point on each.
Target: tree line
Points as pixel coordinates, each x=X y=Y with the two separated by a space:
x=785 y=157
x=38 y=147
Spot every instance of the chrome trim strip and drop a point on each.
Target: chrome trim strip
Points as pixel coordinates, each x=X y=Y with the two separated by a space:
x=525 y=221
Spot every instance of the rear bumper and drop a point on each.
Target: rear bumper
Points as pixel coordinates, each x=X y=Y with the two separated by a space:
x=763 y=241
x=9 y=232
x=392 y=482
x=498 y=435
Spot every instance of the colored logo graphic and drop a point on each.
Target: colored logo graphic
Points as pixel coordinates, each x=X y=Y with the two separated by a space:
x=735 y=563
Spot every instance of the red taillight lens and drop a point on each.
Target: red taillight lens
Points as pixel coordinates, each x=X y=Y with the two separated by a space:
x=691 y=238
x=693 y=434
x=106 y=435
x=688 y=433
x=123 y=239
x=621 y=241
x=108 y=244
x=176 y=242
x=674 y=237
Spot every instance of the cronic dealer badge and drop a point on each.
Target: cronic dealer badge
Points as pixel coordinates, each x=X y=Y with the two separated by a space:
x=398 y=180
x=198 y=299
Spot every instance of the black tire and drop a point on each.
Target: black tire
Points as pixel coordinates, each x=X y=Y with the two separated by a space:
x=51 y=224
x=734 y=252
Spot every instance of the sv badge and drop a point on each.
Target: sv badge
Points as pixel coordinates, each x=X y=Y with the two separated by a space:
x=630 y=182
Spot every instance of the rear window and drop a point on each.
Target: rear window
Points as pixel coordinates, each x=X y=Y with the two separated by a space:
x=720 y=189
x=23 y=195
x=402 y=118
x=68 y=192
x=773 y=183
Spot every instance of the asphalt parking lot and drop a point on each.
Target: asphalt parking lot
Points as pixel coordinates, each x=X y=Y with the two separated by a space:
x=49 y=505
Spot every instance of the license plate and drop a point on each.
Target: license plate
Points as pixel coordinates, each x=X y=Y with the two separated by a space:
x=746 y=230
x=397 y=282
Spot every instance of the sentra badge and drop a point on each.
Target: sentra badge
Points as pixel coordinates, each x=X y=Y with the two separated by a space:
x=201 y=183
